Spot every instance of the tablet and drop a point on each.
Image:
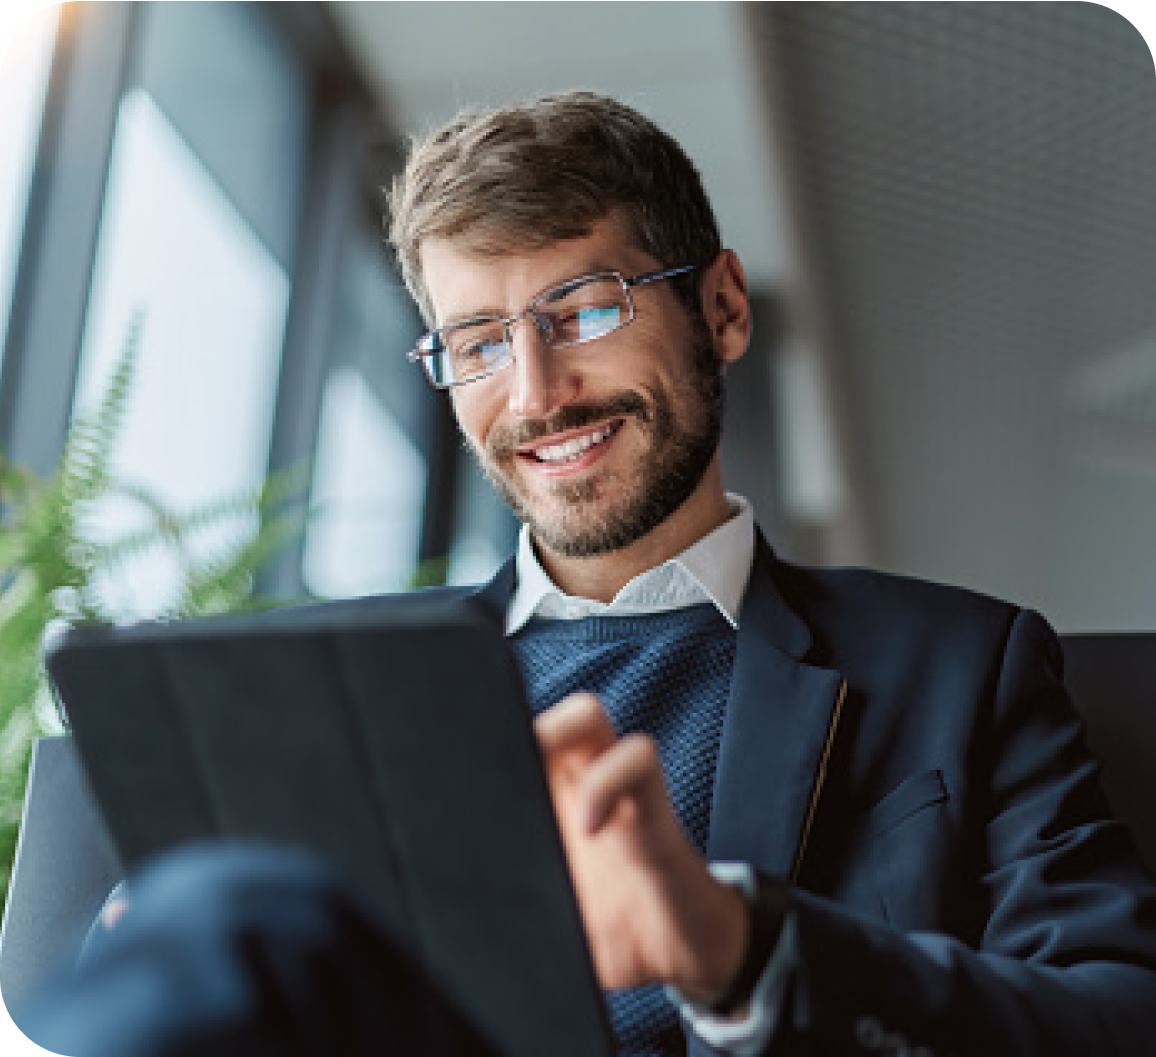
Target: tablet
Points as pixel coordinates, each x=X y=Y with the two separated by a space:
x=395 y=741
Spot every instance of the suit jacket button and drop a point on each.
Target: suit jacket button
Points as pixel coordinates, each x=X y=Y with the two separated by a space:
x=869 y=1033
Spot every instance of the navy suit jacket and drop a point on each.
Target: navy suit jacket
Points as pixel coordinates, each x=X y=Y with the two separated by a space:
x=907 y=756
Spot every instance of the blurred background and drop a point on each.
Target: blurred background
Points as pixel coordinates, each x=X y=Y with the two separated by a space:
x=947 y=212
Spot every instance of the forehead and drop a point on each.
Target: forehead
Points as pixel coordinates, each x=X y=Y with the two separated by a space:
x=464 y=282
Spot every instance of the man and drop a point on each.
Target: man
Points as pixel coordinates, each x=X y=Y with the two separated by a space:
x=805 y=811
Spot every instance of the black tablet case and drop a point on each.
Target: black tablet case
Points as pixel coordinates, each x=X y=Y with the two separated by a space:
x=398 y=747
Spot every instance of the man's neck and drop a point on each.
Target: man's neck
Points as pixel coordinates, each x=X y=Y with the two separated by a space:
x=602 y=576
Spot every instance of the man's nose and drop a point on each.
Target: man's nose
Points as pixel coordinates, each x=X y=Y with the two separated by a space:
x=540 y=380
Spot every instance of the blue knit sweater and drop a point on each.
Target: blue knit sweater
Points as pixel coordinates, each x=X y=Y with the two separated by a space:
x=667 y=674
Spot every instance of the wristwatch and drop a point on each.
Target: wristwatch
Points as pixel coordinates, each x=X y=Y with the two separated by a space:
x=769 y=901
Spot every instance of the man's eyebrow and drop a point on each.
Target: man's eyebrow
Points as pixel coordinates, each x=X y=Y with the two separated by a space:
x=484 y=314
x=471 y=317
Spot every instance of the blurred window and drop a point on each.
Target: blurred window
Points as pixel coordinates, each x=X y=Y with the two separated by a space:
x=485 y=532
x=367 y=494
x=371 y=469
x=196 y=237
x=24 y=69
x=241 y=101
x=212 y=299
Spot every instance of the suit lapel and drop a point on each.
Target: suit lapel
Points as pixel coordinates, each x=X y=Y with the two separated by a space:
x=779 y=727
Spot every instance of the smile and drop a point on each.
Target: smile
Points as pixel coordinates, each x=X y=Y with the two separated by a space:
x=569 y=450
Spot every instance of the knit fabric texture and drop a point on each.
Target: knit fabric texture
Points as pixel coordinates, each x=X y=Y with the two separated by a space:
x=668 y=675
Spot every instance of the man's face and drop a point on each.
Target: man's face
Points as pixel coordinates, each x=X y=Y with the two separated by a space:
x=595 y=445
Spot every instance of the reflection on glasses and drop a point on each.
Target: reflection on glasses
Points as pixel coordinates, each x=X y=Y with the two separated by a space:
x=573 y=312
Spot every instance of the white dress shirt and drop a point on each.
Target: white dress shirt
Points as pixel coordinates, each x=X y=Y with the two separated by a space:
x=715 y=569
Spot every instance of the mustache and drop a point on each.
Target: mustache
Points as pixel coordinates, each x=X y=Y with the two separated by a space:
x=503 y=442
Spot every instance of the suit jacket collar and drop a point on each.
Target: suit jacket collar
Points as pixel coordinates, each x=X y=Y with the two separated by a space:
x=494 y=596
x=766 y=612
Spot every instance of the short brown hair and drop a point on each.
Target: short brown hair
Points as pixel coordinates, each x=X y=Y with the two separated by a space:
x=535 y=173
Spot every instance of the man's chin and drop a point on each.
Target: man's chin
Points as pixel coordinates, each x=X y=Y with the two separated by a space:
x=568 y=521
x=581 y=530
x=568 y=544
x=572 y=534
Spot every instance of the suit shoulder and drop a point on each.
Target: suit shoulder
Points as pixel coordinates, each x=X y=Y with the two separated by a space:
x=886 y=602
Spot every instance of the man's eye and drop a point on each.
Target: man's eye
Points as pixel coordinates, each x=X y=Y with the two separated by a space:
x=479 y=350
x=587 y=321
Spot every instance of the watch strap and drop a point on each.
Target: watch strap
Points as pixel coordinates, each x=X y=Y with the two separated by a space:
x=768 y=909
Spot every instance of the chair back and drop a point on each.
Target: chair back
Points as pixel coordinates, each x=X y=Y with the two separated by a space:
x=1112 y=680
x=64 y=869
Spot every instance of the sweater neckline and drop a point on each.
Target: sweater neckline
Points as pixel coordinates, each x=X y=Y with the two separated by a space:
x=703 y=617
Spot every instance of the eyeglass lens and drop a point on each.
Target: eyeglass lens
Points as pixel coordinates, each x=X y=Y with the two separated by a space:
x=565 y=315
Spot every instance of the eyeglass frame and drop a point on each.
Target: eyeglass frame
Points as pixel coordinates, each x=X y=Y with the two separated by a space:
x=418 y=354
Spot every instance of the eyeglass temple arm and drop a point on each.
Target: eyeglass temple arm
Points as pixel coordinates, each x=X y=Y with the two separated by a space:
x=665 y=273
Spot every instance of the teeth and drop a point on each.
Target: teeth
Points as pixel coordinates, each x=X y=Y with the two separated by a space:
x=571 y=449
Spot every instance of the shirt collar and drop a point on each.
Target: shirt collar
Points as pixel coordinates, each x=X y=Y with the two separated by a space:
x=715 y=569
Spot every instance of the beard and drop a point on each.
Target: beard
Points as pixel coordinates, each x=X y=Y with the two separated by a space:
x=601 y=514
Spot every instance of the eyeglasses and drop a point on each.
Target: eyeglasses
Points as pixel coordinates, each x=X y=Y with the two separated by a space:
x=570 y=313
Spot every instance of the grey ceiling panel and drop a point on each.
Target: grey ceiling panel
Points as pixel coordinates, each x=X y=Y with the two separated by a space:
x=975 y=185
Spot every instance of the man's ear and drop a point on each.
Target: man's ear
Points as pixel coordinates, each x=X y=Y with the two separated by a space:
x=726 y=306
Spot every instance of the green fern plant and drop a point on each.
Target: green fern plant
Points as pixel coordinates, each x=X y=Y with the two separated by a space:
x=53 y=566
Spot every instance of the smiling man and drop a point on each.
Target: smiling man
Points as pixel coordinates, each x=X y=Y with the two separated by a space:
x=805 y=811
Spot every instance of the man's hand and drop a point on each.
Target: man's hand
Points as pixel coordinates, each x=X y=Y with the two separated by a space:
x=652 y=910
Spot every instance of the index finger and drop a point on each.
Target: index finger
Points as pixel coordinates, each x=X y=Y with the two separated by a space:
x=576 y=722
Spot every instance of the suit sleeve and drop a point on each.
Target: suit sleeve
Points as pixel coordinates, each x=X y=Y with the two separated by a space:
x=1067 y=962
